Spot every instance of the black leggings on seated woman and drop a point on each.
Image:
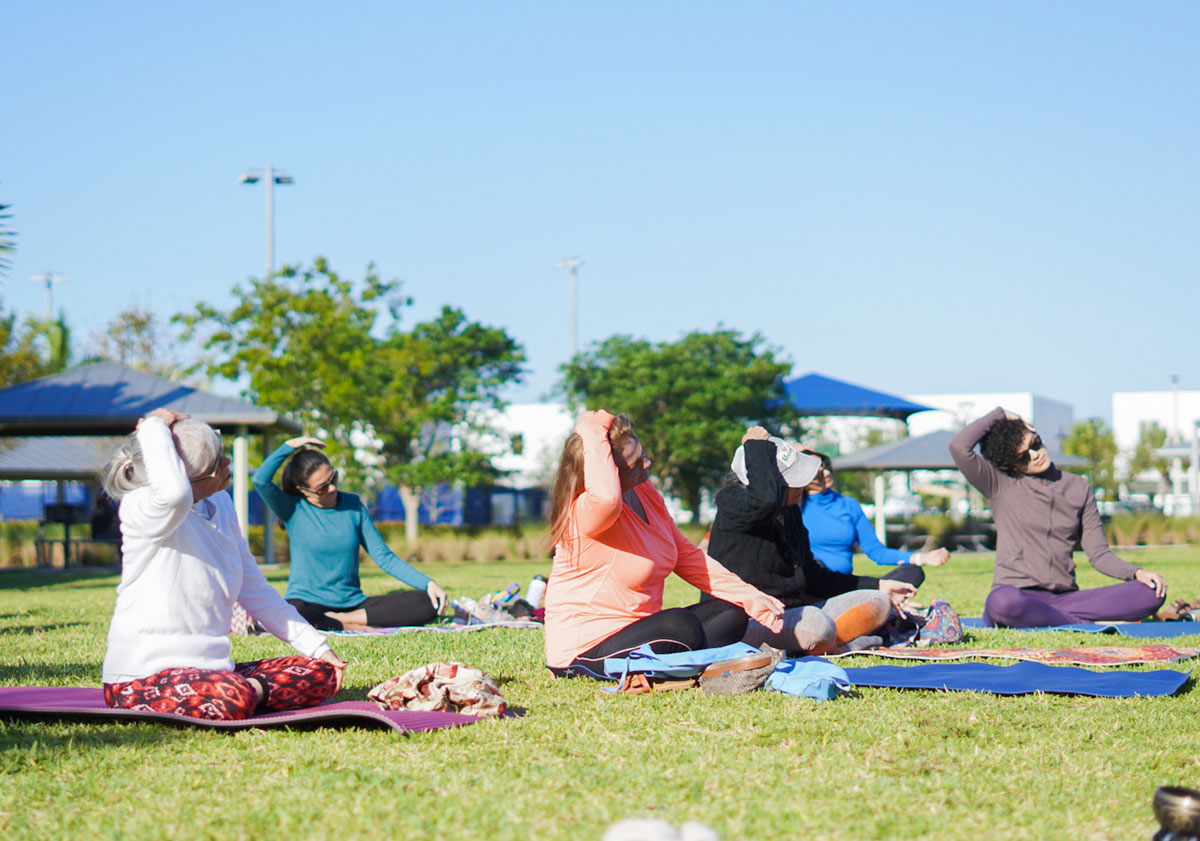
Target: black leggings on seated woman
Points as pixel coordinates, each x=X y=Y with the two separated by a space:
x=710 y=624
x=404 y=609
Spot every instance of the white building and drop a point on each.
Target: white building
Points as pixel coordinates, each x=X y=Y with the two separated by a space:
x=1053 y=419
x=1178 y=413
x=527 y=442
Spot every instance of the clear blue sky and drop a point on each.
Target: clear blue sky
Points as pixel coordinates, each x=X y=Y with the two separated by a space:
x=915 y=196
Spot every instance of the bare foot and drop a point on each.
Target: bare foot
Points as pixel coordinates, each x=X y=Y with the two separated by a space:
x=352 y=620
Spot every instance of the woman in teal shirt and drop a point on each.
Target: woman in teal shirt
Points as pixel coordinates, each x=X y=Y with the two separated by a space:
x=325 y=528
x=835 y=523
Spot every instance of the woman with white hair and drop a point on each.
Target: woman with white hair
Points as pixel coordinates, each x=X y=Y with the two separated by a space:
x=185 y=564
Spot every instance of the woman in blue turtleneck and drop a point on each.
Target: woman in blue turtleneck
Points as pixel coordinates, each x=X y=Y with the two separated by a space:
x=835 y=523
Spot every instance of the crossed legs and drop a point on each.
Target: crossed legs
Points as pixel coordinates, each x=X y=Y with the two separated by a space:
x=1029 y=607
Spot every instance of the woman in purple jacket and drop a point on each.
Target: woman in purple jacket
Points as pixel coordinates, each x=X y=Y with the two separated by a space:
x=1040 y=513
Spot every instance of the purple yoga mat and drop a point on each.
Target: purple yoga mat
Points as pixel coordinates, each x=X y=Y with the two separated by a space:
x=77 y=703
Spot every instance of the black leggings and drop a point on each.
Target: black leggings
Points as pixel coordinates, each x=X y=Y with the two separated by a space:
x=908 y=573
x=710 y=624
x=403 y=609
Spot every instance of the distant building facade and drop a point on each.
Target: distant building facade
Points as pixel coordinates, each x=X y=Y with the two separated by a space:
x=1053 y=419
x=1178 y=413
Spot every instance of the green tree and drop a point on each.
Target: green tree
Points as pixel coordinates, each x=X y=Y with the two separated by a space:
x=54 y=336
x=443 y=378
x=138 y=338
x=330 y=354
x=1093 y=440
x=1144 y=459
x=691 y=399
x=20 y=359
x=32 y=347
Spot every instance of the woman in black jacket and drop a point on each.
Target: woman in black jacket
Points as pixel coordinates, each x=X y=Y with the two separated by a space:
x=759 y=535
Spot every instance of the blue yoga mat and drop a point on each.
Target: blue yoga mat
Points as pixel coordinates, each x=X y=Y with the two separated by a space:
x=1021 y=679
x=1141 y=630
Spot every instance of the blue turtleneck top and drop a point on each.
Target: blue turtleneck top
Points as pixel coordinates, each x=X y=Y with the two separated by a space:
x=835 y=523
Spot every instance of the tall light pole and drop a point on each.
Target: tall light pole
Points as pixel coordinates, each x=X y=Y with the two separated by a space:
x=272 y=177
x=241 y=455
x=572 y=264
x=49 y=278
x=1176 y=437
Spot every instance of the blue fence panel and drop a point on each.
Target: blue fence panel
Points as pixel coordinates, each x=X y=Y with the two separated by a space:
x=389 y=507
x=27 y=500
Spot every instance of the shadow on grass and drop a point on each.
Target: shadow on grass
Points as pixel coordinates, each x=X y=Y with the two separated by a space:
x=71 y=734
x=30 y=629
x=35 y=674
x=32 y=579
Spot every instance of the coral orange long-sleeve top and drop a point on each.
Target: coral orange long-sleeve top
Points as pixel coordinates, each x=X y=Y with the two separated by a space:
x=609 y=568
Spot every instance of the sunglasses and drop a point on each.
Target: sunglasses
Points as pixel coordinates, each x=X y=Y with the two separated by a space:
x=1034 y=446
x=319 y=491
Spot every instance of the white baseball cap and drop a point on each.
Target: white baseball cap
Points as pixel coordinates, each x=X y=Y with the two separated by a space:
x=798 y=469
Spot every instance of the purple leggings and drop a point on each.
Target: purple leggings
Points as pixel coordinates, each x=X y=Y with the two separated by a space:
x=1029 y=607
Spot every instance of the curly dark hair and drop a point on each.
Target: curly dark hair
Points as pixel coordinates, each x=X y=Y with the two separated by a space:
x=302 y=465
x=1003 y=443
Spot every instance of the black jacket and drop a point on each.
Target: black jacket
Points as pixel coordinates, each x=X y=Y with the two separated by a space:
x=765 y=543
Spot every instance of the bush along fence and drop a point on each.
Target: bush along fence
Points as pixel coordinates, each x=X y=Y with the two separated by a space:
x=18 y=539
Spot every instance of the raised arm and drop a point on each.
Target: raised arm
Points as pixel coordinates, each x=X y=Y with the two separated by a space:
x=284 y=505
x=599 y=506
x=157 y=514
x=974 y=466
x=765 y=492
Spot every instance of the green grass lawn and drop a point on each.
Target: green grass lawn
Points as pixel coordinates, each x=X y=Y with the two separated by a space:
x=877 y=764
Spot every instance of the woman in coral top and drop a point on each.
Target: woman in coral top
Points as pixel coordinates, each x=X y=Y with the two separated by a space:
x=615 y=543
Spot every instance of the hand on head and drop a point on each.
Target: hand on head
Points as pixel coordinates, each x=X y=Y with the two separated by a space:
x=166 y=415
x=304 y=441
x=755 y=433
x=601 y=416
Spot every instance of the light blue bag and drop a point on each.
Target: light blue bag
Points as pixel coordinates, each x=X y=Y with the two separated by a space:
x=809 y=677
x=682 y=664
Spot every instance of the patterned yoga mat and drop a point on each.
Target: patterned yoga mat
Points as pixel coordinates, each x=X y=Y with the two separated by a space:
x=1125 y=655
x=1142 y=630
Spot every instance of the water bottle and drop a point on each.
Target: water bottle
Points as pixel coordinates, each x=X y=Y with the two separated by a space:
x=536 y=591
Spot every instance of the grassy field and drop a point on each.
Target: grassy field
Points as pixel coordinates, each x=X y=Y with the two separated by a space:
x=879 y=764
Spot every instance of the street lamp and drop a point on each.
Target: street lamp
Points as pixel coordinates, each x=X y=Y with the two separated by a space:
x=572 y=264
x=272 y=177
x=241 y=455
x=49 y=278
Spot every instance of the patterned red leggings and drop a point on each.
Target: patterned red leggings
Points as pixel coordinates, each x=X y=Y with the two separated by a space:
x=290 y=683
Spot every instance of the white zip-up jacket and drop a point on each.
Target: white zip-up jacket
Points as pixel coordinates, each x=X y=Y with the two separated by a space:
x=184 y=566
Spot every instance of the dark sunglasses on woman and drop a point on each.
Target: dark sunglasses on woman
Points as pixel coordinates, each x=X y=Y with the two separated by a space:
x=1034 y=446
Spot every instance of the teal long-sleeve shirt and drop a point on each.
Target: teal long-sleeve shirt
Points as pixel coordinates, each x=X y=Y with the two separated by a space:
x=324 y=542
x=835 y=523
